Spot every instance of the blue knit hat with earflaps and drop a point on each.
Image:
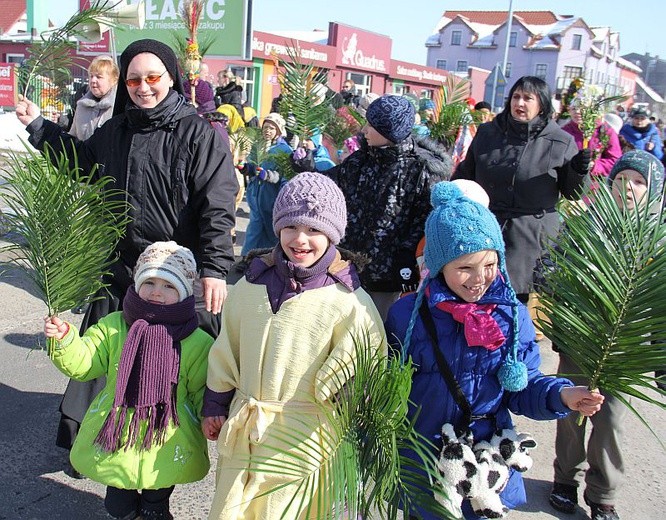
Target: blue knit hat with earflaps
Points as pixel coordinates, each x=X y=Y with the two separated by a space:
x=458 y=226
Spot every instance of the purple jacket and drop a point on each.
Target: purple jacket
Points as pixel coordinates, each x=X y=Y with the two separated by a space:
x=604 y=156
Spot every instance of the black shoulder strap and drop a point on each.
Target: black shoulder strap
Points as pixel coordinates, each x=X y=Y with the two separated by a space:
x=444 y=367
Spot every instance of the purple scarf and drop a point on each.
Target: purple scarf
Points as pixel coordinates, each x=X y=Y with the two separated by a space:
x=148 y=371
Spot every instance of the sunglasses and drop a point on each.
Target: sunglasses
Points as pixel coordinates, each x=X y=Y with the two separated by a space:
x=151 y=79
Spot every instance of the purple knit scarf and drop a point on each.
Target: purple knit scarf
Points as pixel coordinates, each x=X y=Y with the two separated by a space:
x=148 y=371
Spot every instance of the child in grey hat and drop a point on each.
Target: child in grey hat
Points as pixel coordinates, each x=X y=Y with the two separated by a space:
x=636 y=179
x=288 y=327
x=141 y=435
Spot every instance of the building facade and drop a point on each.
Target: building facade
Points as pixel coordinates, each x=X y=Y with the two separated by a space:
x=540 y=43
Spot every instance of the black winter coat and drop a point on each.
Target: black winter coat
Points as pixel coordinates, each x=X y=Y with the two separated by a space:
x=178 y=175
x=387 y=191
x=230 y=95
x=525 y=168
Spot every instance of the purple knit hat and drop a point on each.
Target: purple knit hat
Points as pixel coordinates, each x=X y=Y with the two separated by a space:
x=311 y=199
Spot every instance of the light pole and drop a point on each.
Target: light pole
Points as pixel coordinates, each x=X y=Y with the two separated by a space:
x=509 y=23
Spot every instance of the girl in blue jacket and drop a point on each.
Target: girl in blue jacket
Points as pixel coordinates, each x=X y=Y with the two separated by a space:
x=263 y=187
x=483 y=332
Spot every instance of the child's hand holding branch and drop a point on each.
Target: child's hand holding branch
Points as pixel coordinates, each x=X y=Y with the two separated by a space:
x=54 y=327
x=580 y=399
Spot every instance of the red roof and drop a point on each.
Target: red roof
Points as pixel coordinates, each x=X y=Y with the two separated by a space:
x=499 y=17
x=10 y=12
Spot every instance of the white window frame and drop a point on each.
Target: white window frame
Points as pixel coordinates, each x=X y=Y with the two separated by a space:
x=14 y=58
x=441 y=64
x=513 y=38
x=455 y=42
x=362 y=82
x=462 y=69
x=545 y=70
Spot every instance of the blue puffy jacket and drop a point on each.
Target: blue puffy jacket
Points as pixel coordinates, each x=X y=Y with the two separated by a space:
x=260 y=196
x=475 y=369
x=639 y=139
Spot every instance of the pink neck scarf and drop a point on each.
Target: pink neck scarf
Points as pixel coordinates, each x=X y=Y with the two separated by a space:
x=481 y=329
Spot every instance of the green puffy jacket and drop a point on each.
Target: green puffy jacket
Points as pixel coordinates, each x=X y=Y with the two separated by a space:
x=184 y=455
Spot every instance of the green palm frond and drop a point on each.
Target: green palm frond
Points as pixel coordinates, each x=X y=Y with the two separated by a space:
x=51 y=55
x=70 y=225
x=303 y=86
x=451 y=111
x=352 y=464
x=338 y=129
x=282 y=163
x=604 y=304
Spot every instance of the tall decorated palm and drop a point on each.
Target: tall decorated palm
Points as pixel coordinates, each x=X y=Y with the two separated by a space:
x=604 y=302
x=354 y=467
x=190 y=14
x=69 y=225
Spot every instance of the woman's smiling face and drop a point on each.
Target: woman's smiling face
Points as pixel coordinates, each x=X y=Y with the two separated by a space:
x=145 y=95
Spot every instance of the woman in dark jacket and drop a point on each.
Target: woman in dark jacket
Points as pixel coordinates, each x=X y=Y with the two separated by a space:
x=229 y=92
x=526 y=162
x=180 y=183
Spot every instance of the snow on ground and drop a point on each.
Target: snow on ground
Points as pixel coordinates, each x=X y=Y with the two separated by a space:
x=11 y=133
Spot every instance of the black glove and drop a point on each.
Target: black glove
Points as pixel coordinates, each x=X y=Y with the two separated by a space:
x=581 y=161
x=302 y=163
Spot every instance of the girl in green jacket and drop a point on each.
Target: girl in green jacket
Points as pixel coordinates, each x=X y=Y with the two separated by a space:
x=142 y=433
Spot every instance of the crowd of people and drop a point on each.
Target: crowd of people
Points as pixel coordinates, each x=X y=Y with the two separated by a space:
x=427 y=248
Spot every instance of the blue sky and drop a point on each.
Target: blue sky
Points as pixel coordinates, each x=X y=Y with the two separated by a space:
x=409 y=22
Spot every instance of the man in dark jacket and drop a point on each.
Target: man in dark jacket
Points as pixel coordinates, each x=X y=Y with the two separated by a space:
x=387 y=189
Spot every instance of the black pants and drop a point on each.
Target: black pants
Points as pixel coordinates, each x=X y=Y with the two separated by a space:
x=124 y=503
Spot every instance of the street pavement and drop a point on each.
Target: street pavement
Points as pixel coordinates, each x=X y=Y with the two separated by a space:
x=33 y=485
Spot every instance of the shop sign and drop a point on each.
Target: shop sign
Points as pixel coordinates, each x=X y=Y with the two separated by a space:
x=360 y=49
x=223 y=21
x=7 y=85
x=266 y=46
x=408 y=71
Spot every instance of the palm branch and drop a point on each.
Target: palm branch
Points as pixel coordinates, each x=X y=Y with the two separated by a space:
x=51 y=55
x=338 y=129
x=603 y=305
x=70 y=225
x=353 y=464
x=451 y=111
x=302 y=87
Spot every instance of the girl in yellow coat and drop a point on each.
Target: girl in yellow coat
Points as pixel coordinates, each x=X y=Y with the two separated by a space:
x=288 y=325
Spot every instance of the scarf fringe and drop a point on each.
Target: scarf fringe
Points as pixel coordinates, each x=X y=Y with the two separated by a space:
x=156 y=418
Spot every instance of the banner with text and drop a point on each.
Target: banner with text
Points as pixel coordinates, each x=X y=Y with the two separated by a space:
x=224 y=23
x=8 y=89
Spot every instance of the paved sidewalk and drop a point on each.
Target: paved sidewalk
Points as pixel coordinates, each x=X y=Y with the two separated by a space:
x=34 y=487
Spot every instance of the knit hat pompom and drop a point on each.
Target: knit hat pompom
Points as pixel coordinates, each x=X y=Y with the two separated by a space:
x=644 y=163
x=311 y=199
x=168 y=261
x=458 y=226
x=392 y=116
